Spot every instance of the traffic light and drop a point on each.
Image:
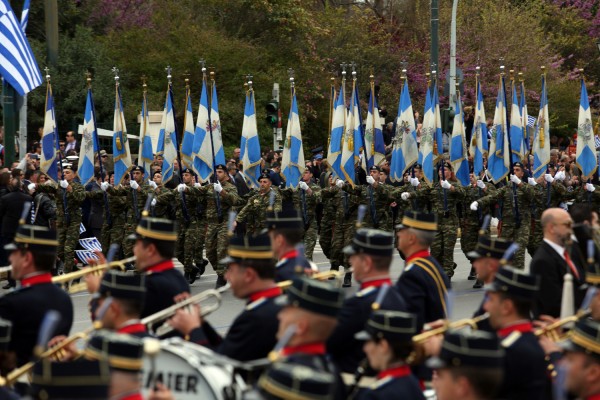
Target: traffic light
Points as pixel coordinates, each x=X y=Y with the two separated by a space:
x=272 y=108
x=447 y=120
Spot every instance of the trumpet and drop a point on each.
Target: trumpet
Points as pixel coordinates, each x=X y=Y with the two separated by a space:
x=322 y=276
x=168 y=312
x=8 y=268
x=461 y=323
x=553 y=331
x=79 y=287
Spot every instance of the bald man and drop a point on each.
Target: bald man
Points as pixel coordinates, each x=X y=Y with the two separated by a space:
x=553 y=259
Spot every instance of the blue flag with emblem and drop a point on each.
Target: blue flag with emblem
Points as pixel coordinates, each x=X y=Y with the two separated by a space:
x=479 y=135
x=338 y=122
x=516 y=128
x=525 y=118
x=18 y=66
x=458 y=146
x=541 y=137
x=586 y=150
x=121 y=153
x=405 y=151
x=292 y=160
x=170 y=138
x=187 y=141
x=145 y=154
x=203 y=157
x=48 y=159
x=438 y=149
x=217 y=140
x=250 y=145
x=374 y=144
x=353 y=148
x=499 y=158
x=89 y=142
x=427 y=139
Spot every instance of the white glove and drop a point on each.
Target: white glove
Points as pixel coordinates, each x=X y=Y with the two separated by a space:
x=197 y=184
x=414 y=181
x=153 y=202
x=548 y=178
x=339 y=183
x=181 y=188
x=445 y=185
x=480 y=184
x=64 y=184
x=474 y=206
x=370 y=180
x=31 y=187
x=589 y=187
x=515 y=180
x=531 y=181
x=560 y=176
x=49 y=183
x=134 y=185
x=217 y=186
x=405 y=196
x=104 y=186
x=152 y=184
x=303 y=185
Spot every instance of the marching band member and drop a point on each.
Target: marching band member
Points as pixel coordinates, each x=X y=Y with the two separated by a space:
x=293 y=381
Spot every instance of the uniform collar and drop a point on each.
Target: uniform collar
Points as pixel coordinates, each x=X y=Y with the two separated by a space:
x=160 y=267
x=132 y=396
x=519 y=326
x=132 y=326
x=309 y=348
x=267 y=293
x=395 y=372
x=290 y=254
x=37 y=278
x=377 y=282
x=593 y=397
x=418 y=254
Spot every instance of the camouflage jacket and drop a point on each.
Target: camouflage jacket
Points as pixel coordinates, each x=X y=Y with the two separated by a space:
x=228 y=198
x=254 y=212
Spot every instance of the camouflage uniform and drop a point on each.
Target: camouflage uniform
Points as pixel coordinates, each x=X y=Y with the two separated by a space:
x=442 y=248
x=217 y=234
x=113 y=230
x=582 y=195
x=254 y=212
x=518 y=233
x=558 y=192
x=345 y=227
x=310 y=220
x=331 y=199
x=378 y=213
x=471 y=220
x=162 y=210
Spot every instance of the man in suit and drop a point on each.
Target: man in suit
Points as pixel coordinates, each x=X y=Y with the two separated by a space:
x=553 y=260
x=71 y=142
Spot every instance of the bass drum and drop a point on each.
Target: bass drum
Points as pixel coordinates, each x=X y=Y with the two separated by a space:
x=191 y=372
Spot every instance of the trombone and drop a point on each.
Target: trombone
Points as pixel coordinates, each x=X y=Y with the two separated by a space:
x=168 y=312
x=553 y=330
x=322 y=276
x=79 y=287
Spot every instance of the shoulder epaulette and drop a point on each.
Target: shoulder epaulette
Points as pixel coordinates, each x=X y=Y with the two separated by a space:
x=510 y=339
x=381 y=383
x=365 y=291
x=255 y=304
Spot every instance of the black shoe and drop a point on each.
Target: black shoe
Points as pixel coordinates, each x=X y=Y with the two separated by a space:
x=192 y=274
x=472 y=274
x=186 y=275
x=221 y=281
x=478 y=284
x=9 y=285
x=202 y=267
x=347 y=279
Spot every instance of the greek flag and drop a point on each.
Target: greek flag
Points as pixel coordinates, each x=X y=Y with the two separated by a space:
x=217 y=140
x=374 y=145
x=499 y=158
x=292 y=160
x=188 y=132
x=338 y=121
x=524 y=119
x=250 y=145
x=458 y=146
x=160 y=143
x=25 y=15
x=18 y=66
x=121 y=153
x=146 y=154
x=427 y=139
x=170 y=138
x=48 y=162
x=353 y=139
x=202 y=146
x=479 y=136
x=586 y=148
x=541 y=136
x=438 y=143
x=89 y=142
x=405 y=151
x=516 y=129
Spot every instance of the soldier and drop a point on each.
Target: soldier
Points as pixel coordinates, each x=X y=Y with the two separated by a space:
x=72 y=195
x=250 y=273
x=387 y=337
x=468 y=367
x=445 y=196
x=311 y=195
x=32 y=257
x=509 y=303
x=331 y=198
x=185 y=210
x=254 y=212
x=161 y=210
x=220 y=198
x=370 y=254
x=113 y=228
x=515 y=226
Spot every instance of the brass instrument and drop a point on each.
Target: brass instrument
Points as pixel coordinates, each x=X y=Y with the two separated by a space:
x=170 y=311
x=553 y=330
x=8 y=268
x=79 y=287
x=461 y=323
x=322 y=276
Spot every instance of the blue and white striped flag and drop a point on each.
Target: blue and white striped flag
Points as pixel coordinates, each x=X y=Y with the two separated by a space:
x=146 y=154
x=353 y=139
x=374 y=145
x=250 y=145
x=479 y=136
x=516 y=129
x=18 y=66
x=499 y=158
x=405 y=152
x=541 y=136
x=121 y=153
x=89 y=142
x=48 y=161
x=531 y=121
x=187 y=142
x=203 y=156
x=427 y=139
x=458 y=146
x=170 y=138
x=524 y=119
x=217 y=140
x=586 y=147
x=292 y=160
x=438 y=149
x=338 y=122
x=25 y=15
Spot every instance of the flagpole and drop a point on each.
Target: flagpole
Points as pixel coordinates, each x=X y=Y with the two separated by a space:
x=511 y=169
x=541 y=136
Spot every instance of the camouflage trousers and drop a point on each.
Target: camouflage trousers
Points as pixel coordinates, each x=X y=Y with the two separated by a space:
x=310 y=240
x=326 y=236
x=187 y=236
x=126 y=244
x=469 y=234
x=68 y=238
x=112 y=234
x=518 y=235
x=202 y=227
x=217 y=241
x=342 y=236
x=442 y=248
x=536 y=236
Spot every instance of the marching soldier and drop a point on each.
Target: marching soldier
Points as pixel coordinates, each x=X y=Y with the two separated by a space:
x=254 y=212
x=370 y=254
x=308 y=208
x=32 y=257
x=161 y=210
x=250 y=273
x=331 y=197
